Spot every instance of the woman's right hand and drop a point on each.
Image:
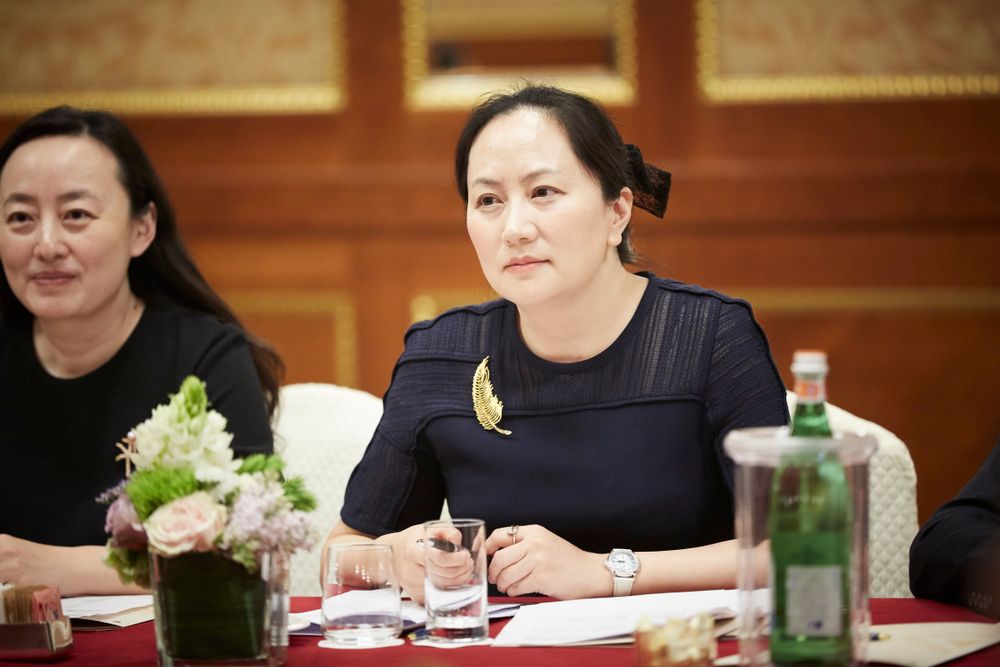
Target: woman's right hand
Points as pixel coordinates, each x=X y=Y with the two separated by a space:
x=408 y=560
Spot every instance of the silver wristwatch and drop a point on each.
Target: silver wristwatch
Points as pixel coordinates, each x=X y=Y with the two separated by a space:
x=623 y=565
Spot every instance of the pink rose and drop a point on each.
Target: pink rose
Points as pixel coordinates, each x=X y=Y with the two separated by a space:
x=123 y=524
x=191 y=523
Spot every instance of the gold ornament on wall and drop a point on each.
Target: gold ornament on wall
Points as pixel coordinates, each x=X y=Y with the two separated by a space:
x=489 y=408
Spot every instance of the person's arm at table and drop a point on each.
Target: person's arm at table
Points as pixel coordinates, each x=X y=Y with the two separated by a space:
x=73 y=570
x=956 y=555
x=542 y=562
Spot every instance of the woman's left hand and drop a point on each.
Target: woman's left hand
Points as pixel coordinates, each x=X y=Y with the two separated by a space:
x=542 y=562
x=23 y=562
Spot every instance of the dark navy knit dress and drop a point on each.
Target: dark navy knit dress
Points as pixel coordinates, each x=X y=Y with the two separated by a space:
x=620 y=450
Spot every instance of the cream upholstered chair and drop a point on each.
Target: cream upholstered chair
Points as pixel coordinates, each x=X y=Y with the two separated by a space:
x=322 y=431
x=892 y=504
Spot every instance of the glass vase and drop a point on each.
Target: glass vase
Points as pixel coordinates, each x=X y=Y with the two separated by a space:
x=759 y=454
x=210 y=610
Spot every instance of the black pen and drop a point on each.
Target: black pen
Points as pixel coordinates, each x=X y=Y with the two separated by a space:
x=878 y=636
x=443 y=545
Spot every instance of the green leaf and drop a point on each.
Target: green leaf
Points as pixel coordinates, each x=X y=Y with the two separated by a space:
x=132 y=566
x=298 y=495
x=245 y=554
x=150 y=488
x=261 y=463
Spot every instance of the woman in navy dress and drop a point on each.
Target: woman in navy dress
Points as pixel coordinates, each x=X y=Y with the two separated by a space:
x=604 y=471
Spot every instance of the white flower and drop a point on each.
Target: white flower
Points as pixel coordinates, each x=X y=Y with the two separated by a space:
x=185 y=434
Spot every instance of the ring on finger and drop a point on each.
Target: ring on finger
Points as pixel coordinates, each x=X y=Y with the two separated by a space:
x=512 y=532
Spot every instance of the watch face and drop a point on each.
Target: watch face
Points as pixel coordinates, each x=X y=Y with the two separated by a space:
x=623 y=563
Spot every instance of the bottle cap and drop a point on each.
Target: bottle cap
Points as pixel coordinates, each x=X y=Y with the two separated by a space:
x=809 y=362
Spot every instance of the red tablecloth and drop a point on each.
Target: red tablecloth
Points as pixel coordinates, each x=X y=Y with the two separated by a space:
x=137 y=645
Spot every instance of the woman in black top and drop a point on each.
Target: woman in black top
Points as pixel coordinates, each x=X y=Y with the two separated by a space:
x=102 y=315
x=617 y=387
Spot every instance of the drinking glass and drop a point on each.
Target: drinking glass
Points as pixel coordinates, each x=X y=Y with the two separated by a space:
x=455 y=580
x=281 y=564
x=361 y=599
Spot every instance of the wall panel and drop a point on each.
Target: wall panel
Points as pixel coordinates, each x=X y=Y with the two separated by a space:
x=883 y=216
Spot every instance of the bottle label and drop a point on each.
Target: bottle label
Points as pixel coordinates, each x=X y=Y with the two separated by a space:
x=813 y=607
x=810 y=392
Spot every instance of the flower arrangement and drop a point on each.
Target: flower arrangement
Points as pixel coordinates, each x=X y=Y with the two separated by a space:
x=188 y=494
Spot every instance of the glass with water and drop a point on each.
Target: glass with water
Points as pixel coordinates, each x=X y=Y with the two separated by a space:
x=361 y=599
x=281 y=564
x=455 y=580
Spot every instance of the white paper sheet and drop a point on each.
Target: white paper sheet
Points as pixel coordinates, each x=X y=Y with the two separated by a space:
x=926 y=644
x=102 y=612
x=100 y=605
x=574 y=621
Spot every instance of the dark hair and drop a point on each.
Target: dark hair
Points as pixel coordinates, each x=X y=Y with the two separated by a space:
x=165 y=273
x=592 y=135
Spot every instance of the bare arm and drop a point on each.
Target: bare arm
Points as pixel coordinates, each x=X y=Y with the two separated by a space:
x=74 y=570
x=698 y=568
x=542 y=562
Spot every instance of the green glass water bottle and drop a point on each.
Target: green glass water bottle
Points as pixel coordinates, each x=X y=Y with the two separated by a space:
x=810 y=524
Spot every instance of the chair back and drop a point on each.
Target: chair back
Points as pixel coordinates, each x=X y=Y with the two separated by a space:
x=322 y=430
x=892 y=504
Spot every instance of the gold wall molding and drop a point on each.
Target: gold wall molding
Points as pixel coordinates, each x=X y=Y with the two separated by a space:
x=337 y=305
x=161 y=57
x=426 y=90
x=254 y=100
x=879 y=299
x=428 y=304
x=937 y=79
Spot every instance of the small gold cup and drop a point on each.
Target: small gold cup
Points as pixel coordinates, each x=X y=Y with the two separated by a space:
x=678 y=642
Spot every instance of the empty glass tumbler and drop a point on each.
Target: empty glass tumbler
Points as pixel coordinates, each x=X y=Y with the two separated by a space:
x=361 y=595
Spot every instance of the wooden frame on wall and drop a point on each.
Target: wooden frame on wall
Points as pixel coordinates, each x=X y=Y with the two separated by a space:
x=427 y=90
x=251 y=57
x=887 y=60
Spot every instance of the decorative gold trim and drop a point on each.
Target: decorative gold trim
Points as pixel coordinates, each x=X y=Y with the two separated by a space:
x=426 y=91
x=869 y=299
x=300 y=99
x=721 y=88
x=215 y=100
x=337 y=304
x=429 y=304
x=477 y=20
x=489 y=408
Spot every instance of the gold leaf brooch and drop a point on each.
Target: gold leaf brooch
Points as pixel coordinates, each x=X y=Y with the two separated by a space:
x=489 y=408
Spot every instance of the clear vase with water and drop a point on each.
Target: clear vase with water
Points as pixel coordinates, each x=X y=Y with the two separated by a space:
x=766 y=459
